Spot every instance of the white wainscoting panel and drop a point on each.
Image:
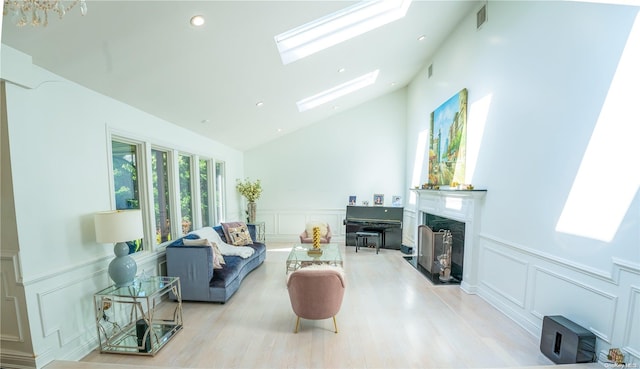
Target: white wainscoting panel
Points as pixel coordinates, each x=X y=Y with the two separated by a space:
x=505 y=275
x=12 y=313
x=409 y=228
x=15 y=338
x=526 y=285
x=286 y=225
x=631 y=341
x=596 y=315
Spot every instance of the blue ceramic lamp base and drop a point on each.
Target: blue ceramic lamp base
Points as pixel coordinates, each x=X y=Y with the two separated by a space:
x=123 y=268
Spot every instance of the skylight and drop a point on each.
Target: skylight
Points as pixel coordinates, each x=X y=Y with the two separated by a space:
x=337 y=91
x=338 y=27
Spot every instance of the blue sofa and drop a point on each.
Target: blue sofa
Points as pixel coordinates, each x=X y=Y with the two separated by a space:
x=194 y=265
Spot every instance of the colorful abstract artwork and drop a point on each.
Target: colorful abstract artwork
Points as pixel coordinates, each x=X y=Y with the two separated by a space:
x=447 y=148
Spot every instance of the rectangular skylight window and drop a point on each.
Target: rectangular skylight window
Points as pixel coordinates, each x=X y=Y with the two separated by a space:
x=340 y=26
x=337 y=91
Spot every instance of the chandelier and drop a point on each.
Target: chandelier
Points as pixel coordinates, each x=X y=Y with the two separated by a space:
x=36 y=12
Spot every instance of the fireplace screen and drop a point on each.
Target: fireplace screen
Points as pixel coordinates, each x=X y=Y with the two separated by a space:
x=441 y=248
x=428 y=241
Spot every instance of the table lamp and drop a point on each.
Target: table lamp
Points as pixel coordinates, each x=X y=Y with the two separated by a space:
x=120 y=226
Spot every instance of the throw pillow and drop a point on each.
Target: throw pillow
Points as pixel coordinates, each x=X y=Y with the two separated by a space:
x=240 y=236
x=322 y=226
x=226 y=226
x=205 y=242
x=218 y=253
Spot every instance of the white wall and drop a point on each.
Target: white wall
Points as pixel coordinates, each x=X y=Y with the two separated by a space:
x=538 y=75
x=310 y=173
x=58 y=134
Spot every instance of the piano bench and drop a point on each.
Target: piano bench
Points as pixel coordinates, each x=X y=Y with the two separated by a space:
x=364 y=236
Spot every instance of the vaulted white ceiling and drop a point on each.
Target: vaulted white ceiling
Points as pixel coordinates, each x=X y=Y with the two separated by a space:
x=209 y=79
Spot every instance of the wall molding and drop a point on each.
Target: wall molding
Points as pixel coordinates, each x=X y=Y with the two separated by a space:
x=9 y=277
x=16 y=360
x=520 y=302
x=609 y=300
x=633 y=327
x=611 y=277
x=606 y=336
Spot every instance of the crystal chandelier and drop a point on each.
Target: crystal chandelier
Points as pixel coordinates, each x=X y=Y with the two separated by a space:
x=36 y=12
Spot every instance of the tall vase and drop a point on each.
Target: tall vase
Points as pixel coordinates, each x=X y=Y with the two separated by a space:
x=251 y=212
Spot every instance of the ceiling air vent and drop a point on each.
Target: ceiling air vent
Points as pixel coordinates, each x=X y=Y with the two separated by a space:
x=481 y=16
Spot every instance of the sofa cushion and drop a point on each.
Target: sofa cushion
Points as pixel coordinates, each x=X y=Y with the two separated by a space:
x=205 y=242
x=239 y=236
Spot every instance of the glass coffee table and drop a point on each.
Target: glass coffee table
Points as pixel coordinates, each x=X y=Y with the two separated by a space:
x=300 y=258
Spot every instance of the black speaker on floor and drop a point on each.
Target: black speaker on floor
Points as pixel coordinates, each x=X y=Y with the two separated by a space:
x=141 y=329
x=565 y=342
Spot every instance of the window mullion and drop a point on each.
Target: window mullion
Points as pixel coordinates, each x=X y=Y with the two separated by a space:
x=174 y=184
x=195 y=193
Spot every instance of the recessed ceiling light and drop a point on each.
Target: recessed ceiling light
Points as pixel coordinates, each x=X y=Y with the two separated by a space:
x=197 y=20
x=341 y=70
x=393 y=83
x=279 y=129
x=260 y=103
x=337 y=91
x=205 y=121
x=421 y=37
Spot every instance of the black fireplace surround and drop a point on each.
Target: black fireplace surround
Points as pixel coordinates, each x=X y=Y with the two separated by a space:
x=437 y=223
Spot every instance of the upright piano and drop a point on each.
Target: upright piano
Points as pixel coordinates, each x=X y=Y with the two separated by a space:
x=386 y=220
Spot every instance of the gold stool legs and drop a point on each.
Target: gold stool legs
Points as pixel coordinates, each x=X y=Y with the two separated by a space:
x=297 y=324
x=335 y=325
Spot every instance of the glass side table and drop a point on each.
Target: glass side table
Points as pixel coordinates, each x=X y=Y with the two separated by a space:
x=138 y=319
x=300 y=258
x=259 y=231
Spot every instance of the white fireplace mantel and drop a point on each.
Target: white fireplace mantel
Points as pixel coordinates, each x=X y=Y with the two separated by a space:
x=464 y=206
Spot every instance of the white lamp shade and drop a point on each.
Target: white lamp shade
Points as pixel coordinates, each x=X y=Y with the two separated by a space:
x=118 y=226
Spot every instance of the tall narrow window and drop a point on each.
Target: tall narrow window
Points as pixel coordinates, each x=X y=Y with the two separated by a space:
x=219 y=191
x=186 y=200
x=126 y=181
x=204 y=192
x=161 y=202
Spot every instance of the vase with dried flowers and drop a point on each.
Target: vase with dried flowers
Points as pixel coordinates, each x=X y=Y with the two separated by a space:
x=251 y=191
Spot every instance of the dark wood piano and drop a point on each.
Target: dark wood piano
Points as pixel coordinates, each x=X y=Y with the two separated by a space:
x=386 y=220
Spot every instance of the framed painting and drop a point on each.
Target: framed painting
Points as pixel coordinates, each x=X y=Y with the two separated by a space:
x=448 y=139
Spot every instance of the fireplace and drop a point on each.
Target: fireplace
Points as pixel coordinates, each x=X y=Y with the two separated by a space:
x=444 y=261
x=457 y=212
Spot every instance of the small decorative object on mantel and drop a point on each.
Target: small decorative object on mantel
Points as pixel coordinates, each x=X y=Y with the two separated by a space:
x=316 y=250
x=251 y=191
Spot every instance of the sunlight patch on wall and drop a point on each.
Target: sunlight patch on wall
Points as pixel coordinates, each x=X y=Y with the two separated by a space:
x=478 y=112
x=608 y=177
x=418 y=163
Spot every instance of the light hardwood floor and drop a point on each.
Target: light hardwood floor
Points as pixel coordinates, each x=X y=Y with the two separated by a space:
x=391 y=317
